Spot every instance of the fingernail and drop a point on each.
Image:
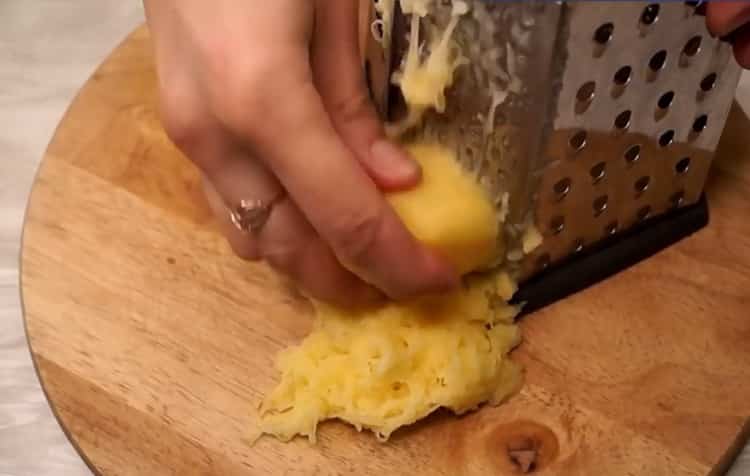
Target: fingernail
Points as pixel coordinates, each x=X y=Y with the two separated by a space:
x=389 y=160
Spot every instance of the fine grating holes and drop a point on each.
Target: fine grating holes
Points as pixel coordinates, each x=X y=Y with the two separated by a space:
x=578 y=245
x=578 y=140
x=666 y=100
x=650 y=14
x=643 y=212
x=611 y=228
x=677 y=199
x=700 y=123
x=682 y=166
x=543 y=261
x=708 y=83
x=666 y=138
x=633 y=153
x=598 y=172
x=603 y=34
x=562 y=188
x=600 y=205
x=641 y=185
x=658 y=61
x=693 y=46
x=557 y=224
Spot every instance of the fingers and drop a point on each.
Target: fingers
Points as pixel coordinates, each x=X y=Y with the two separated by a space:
x=286 y=241
x=298 y=143
x=339 y=77
x=723 y=18
x=730 y=20
x=742 y=46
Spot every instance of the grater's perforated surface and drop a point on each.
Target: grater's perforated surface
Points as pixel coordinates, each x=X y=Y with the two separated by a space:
x=589 y=116
x=644 y=97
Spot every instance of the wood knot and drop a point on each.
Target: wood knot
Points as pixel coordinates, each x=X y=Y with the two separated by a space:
x=523 y=447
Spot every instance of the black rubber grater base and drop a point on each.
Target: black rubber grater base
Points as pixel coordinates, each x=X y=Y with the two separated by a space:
x=611 y=256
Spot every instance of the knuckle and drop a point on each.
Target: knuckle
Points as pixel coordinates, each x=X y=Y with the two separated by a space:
x=246 y=92
x=182 y=116
x=355 y=236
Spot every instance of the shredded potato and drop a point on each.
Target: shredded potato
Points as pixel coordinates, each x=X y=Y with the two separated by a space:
x=387 y=367
x=384 y=368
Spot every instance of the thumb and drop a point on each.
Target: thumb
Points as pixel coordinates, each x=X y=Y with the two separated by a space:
x=339 y=78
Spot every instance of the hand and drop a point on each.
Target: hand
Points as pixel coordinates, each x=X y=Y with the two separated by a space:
x=269 y=100
x=731 y=20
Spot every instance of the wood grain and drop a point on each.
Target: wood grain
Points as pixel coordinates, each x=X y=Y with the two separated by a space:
x=154 y=343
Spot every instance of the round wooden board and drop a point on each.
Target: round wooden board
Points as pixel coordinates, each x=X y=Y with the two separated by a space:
x=154 y=343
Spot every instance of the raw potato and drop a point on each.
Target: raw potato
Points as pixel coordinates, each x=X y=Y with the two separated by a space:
x=384 y=368
x=448 y=211
x=388 y=367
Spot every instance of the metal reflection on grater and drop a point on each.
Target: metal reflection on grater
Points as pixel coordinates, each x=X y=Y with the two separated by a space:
x=591 y=117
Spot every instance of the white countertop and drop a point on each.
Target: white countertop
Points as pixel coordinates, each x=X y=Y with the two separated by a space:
x=48 y=48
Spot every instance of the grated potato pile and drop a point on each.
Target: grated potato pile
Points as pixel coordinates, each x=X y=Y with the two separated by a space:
x=383 y=368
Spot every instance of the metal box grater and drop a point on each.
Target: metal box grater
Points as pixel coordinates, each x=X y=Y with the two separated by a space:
x=592 y=119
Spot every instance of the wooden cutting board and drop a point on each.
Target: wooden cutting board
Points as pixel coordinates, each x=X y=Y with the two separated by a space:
x=154 y=343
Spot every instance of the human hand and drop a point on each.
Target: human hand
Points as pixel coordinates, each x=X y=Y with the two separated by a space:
x=268 y=99
x=731 y=20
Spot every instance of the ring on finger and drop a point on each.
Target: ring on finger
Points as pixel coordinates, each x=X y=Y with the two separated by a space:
x=250 y=215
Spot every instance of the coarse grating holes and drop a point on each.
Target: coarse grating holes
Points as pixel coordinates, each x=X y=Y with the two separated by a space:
x=666 y=138
x=600 y=205
x=643 y=212
x=663 y=104
x=611 y=228
x=562 y=188
x=682 y=166
x=666 y=100
x=622 y=76
x=658 y=61
x=557 y=224
x=677 y=198
x=585 y=96
x=633 y=153
x=598 y=172
x=650 y=14
x=708 y=83
x=578 y=245
x=698 y=6
x=621 y=79
x=622 y=121
x=693 y=46
x=603 y=34
x=700 y=10
x=543 y=261
x=641 y=185
x=586 y=91
x=578 y=140
x=700 y=123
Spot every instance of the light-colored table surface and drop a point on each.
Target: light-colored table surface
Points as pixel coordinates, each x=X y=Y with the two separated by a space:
x=47 y=50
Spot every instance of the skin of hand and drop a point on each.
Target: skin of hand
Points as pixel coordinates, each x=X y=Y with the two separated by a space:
x=269 y=100
x=731 y=20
